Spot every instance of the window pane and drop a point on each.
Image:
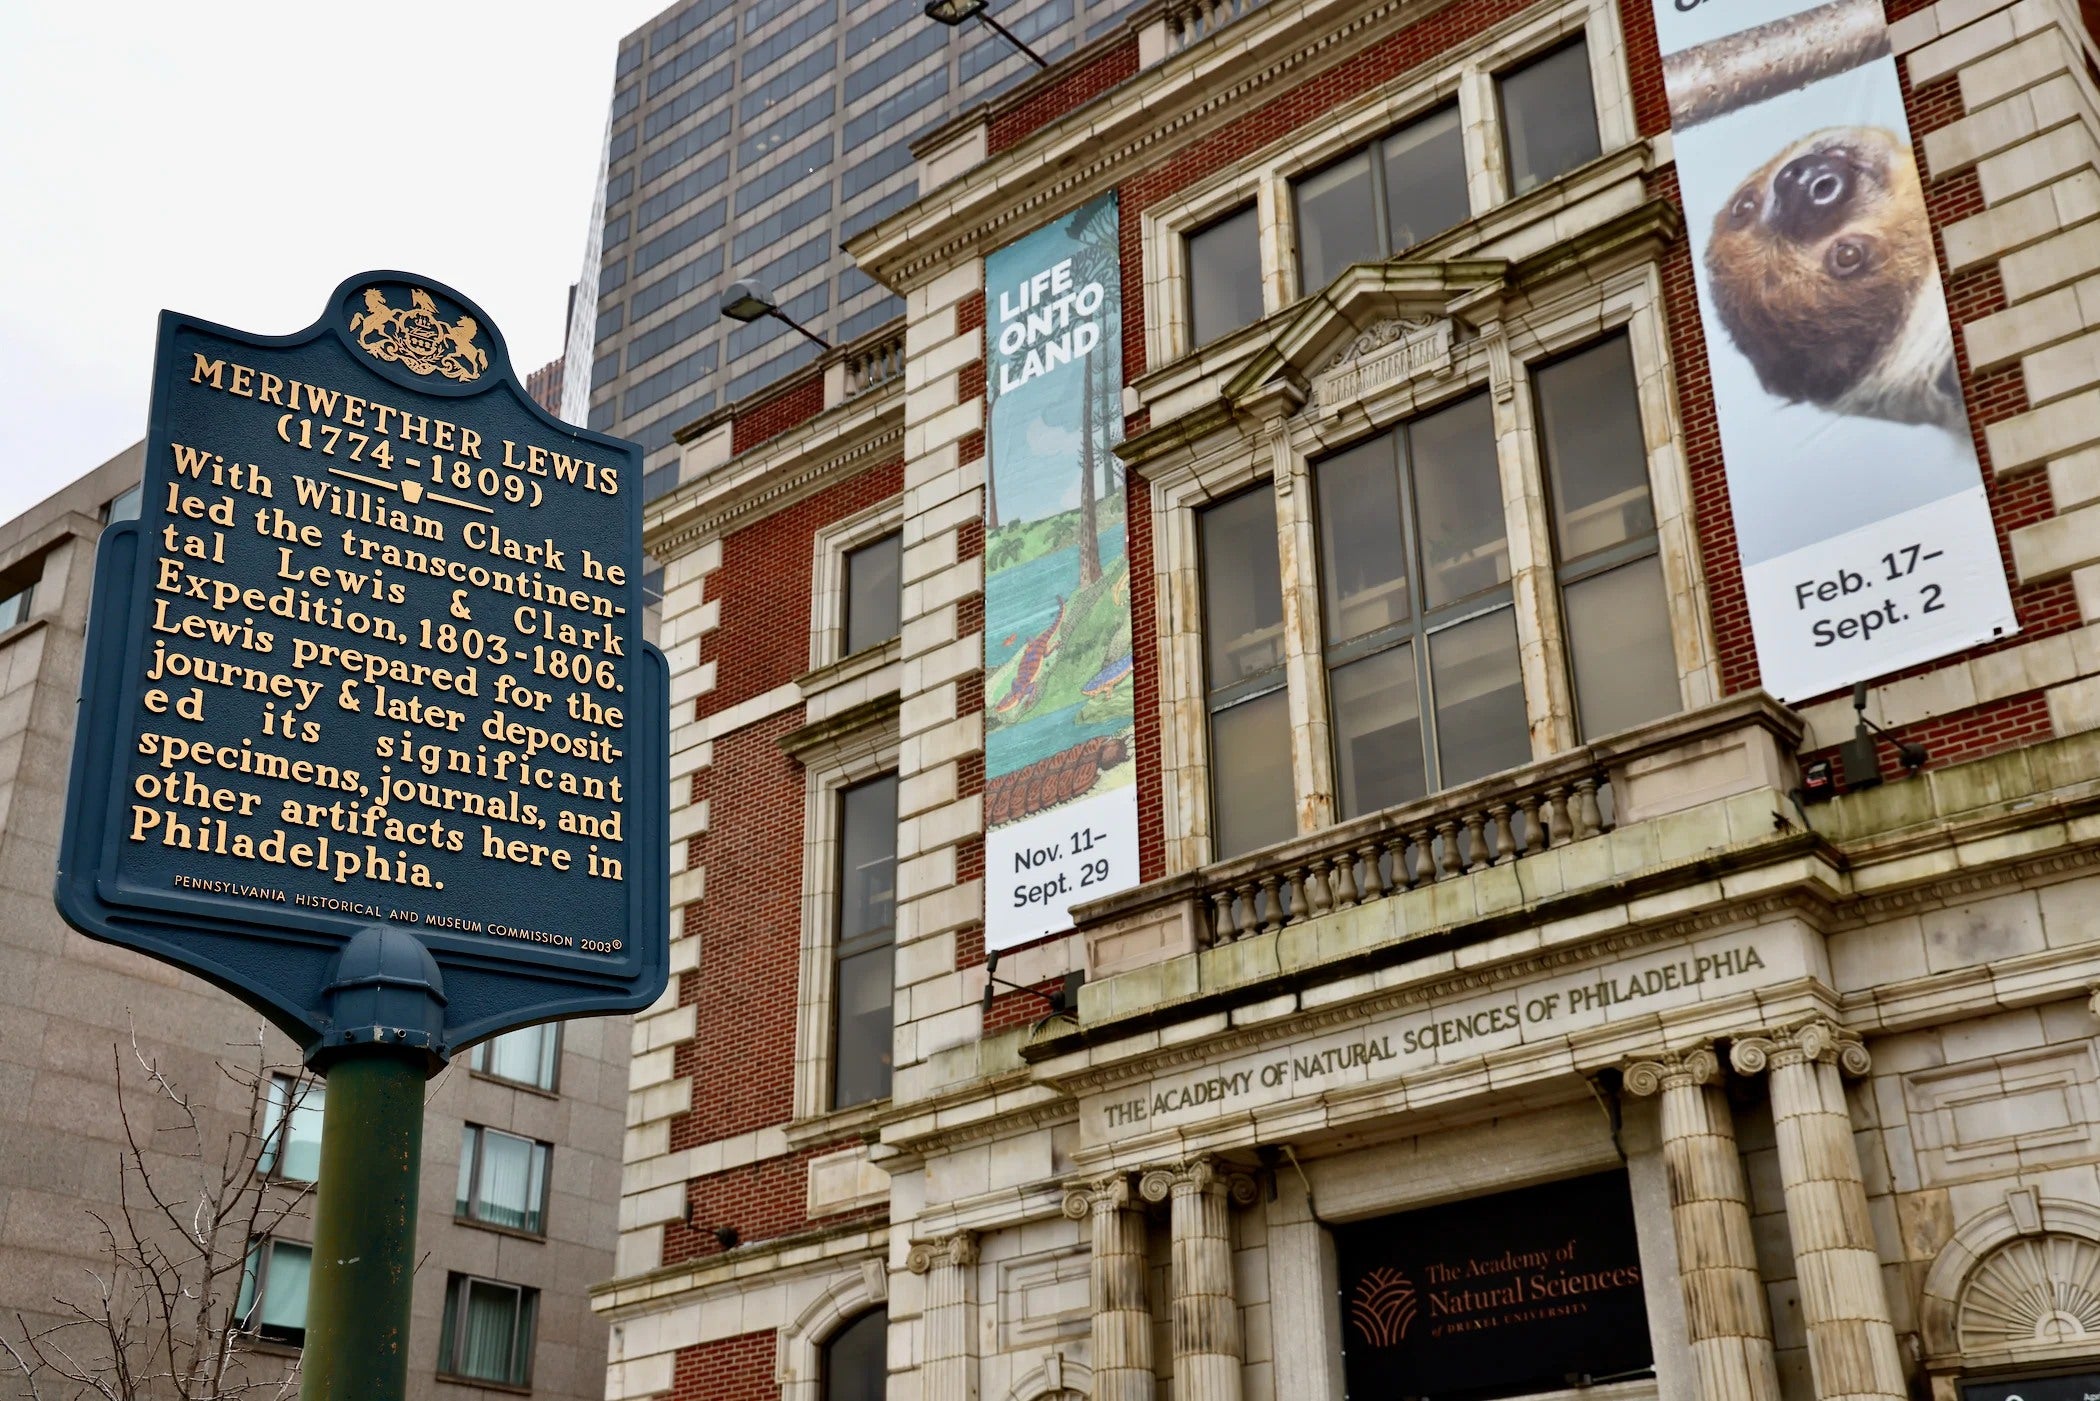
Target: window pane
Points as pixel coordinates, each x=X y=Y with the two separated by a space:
x=124 y=506
x=511 y=1175
x=1480 y=722
x=292 y=1151
x=1251 y=790
x=1549 y=118
x=1378 y=732
x=873 y=594
x=1425 y=178
x=489 y=1332
x=867 y=858
x=527 y=1055
x=1363 y=559
x=1336 y=224
x=1242 y=588
x=1224 y=276
x=1458 y=501
x=463 y=1199
x=1596 y=458
x=861 y=1053
x=856 y=1360
x=1619 y=643
x=15 y=608
x=284 y=1287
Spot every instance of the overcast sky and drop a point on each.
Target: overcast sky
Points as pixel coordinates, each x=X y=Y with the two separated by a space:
x=237 y=160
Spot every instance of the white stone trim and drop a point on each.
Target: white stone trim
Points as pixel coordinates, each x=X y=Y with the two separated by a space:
x=799 y=1358
x=862 y=757
x=827 y=603
x=1468 y=76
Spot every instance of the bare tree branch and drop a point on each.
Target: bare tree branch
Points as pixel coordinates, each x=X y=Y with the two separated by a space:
x=1784 y=55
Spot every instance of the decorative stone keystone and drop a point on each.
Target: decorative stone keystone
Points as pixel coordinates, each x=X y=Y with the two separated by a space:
x=1724 y=1303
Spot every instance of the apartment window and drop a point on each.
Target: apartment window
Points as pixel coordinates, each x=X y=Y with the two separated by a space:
x=856 y=1360
x=1383 y=199
x=1250 y=726
x=124 y=506
x=1224 y=269
x=863 y=968
x=488 y=1331
x=1420 y=633
x=1549 y=116
x=291 y=1128
x=14 y=608
x=502 y=1180
x=874 y=596
x=1614 y=610
x=527 y=1056
x=272 y=1302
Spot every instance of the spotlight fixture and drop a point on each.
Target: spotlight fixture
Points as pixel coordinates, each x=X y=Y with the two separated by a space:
x=747 y=301
x=1861 y=759
x=955 y=12
x=1062 y=1002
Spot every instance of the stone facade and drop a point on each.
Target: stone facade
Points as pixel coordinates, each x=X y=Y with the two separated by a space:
x=1842 y=1056
x=69 y=1005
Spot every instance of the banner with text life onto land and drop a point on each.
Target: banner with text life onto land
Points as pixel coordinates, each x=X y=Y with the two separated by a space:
x=1866 y=539
x=1060 y=770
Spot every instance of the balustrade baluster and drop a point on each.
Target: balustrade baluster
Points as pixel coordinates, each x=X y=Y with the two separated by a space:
x=1534 y=837
x=1272 y=907
x=1345 y=881
x=1476 y=842
x=1374 y=879
x=1221 y=921
x=1505 y=840
x=1553 y=808
x=1424 y=840
x=1250 y=921
x=1449 y=862
x=1587 y=821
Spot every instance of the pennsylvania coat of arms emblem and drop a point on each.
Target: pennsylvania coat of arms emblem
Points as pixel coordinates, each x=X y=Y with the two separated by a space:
x=416 y=338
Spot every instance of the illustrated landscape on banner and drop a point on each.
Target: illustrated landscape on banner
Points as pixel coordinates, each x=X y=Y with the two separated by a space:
x=1060 y=800
x=1866 y=538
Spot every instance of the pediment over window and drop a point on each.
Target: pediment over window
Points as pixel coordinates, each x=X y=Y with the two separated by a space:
x=1376 y=323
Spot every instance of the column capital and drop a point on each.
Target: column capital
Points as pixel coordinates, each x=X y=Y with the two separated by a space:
x=959 y=1249
x=1818 y=1040
x=1112 y=1193
x=1696 y=1065
x=1201 y=1174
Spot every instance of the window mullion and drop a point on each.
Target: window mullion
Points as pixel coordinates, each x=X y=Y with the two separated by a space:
x=1418 y=596
x=1542 y=653
x=1312 y=746
x=1374 y=162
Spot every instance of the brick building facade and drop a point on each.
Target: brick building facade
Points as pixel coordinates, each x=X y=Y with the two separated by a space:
x=1834 y=1064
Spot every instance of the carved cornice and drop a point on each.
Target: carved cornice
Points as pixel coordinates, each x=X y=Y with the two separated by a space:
x=956 y=1251
x=857 y=725
x=1671 y=1071
x=801 y=467
x=1817 y=1040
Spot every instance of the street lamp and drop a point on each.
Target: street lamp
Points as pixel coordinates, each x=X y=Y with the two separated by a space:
x=954 y=12
x=746 y=301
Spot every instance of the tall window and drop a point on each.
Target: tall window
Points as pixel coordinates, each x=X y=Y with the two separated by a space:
x=1549 y=116
x=1224 y=270
x=873 y=595
x=1250 y=721
x=272 y=1302
x=503 y=1180
x=856 y=1360
x=1415 y=591
x=527 y=1056
x=291 y=1128
x=863 y=954
x=1383 y=199
x=488 y=1331
x=124 y=506
x=1614 y=610
x=14 y=608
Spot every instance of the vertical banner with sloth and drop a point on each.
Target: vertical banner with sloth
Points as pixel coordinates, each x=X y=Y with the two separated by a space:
x=1866 y=540
x=1060 y=765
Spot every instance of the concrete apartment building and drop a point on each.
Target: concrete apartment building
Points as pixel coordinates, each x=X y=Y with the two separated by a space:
x=509 y=1246
x=1553 y=1002
x=748 y=142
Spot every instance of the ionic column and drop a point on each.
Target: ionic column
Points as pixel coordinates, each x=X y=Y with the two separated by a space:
x=1122 y=1320
x=1851 y=1341
x=948 y=1369
x=1724 y=1301
x=1207 y=1348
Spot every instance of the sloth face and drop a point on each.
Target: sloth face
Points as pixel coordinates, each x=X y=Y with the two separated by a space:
x=1816 y=258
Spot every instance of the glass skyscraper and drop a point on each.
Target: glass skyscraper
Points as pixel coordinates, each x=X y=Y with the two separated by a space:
x=749 y=141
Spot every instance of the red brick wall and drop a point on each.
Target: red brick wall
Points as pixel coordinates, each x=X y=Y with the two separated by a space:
x=789 y=409
x=1067 y=91
x=764 y=586
x=761 y=1201
x=731 y=1369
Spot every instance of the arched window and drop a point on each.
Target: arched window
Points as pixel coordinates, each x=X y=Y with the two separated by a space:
x=856 y=1360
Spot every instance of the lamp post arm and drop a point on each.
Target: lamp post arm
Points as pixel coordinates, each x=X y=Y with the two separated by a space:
x=777 y=312
x=1012 y=38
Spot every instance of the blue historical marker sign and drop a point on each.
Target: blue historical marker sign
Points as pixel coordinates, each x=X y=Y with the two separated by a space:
x=367 y=722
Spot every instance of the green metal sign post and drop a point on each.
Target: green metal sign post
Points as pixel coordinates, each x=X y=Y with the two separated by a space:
x=357 y=1302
